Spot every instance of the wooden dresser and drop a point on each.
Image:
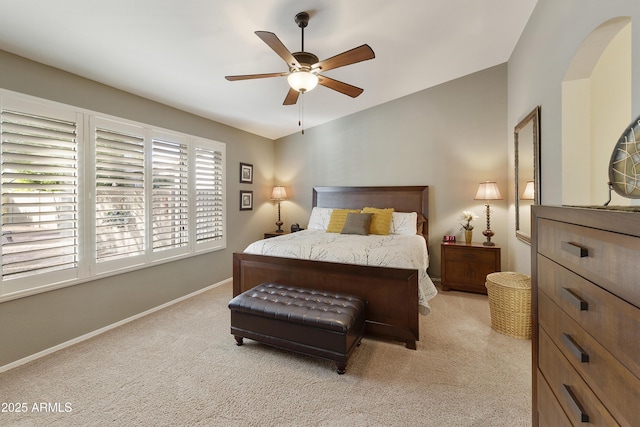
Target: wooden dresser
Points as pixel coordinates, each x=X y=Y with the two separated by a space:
x=586 y=316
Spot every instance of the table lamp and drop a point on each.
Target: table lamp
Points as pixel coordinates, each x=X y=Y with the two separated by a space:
x=529 y=191
x=278 y=194
x=488 y=191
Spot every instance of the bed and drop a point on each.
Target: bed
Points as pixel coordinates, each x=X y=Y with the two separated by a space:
x=393 y=298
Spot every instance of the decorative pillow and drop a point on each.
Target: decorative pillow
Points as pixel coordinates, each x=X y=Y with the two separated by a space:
x=338 y=218
x=357 y=223
x=381 y=220
x=404 y=223
x=319 y=219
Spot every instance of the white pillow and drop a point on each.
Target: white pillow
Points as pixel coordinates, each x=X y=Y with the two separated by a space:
x=404 y=223
x=319 y=219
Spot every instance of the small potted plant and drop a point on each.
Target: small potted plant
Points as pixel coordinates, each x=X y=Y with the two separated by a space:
x=467 y=217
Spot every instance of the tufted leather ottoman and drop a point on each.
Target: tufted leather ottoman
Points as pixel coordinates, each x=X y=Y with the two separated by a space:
x=317 y=323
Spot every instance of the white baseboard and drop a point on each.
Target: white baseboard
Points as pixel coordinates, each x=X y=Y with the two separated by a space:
x=97 y=332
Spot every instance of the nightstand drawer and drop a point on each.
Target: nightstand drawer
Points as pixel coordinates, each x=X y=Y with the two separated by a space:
x=575 y=397
x=274 y=234
x=474 y=275
x=594 y=254
x=613 y=322
x=470 y=255
x=618 y=388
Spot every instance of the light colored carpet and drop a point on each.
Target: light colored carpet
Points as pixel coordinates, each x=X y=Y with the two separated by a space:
x=180 y=367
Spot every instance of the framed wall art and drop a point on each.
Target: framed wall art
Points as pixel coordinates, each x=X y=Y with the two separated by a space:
x=246 y=200
x=246 y=173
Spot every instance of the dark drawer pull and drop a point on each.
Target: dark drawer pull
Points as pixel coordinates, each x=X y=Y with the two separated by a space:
x=575 y=404
x=575 y=300
x=574 y=249
x=575 y=349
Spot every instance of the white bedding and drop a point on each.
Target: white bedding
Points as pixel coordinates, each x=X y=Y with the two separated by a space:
x=399 y=251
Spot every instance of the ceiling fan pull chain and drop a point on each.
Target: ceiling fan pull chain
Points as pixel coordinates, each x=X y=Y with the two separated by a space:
x=301 y=112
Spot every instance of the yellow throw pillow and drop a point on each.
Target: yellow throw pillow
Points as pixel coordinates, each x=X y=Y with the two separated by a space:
x=338 y=218
x=381 y=220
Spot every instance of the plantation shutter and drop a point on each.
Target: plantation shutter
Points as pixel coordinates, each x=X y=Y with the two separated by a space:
x=209 y=195
x=170 y=202
x=39 y=181
x=120 y=193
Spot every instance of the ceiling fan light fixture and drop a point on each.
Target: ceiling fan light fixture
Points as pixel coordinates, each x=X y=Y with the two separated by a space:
x=302 y=81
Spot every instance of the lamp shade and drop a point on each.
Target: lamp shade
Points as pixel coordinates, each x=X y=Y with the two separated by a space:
x=278 y=193
x=302 y=81
x=529 y=191
x=488 y=191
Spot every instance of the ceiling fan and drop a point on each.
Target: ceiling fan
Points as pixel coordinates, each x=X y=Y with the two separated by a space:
x=305 y=68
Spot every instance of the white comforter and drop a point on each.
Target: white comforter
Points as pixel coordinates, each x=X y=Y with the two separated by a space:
x=399 y=251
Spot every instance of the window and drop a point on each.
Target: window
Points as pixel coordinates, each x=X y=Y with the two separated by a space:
x=79 y=205
x=40 y=190
x=209 y=195
x=119 y=190
x=170 y=195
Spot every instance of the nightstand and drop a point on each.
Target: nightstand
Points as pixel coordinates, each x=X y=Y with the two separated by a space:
x=274 y=234
x=464 y=267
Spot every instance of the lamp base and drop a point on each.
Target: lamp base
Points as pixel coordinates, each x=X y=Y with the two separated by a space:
x=279 y=221
x=488 y=234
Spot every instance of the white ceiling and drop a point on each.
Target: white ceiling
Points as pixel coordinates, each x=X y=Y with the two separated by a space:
x=177 y=52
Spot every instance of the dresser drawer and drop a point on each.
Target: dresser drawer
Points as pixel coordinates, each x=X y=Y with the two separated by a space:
x=576 y=398
x=617 y=387
x=613 y=322
x=609 y=259
x=549 y=409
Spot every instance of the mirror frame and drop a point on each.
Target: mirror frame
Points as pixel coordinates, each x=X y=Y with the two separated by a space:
x=534 y=118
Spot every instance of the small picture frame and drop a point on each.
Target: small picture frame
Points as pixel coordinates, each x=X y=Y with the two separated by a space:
x=246 y=200
x=246 y=173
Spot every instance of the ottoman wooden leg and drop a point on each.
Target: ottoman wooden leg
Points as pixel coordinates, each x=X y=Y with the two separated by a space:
x=341 y=368
x=238 y=340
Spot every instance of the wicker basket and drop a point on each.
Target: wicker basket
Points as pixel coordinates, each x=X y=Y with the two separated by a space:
x=510 y=303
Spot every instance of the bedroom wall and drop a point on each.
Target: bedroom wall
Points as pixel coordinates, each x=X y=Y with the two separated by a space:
x=450 y=137
x=38 y=322
x=537 y=67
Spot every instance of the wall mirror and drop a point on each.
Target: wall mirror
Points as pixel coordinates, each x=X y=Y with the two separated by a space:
x=526 y=137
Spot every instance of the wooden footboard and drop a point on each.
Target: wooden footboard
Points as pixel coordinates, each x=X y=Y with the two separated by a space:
x=391 y=293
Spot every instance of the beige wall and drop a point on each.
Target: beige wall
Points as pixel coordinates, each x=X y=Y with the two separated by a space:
x=553 y=35
x=38 y=322
x=450 y=137
x=595 y=109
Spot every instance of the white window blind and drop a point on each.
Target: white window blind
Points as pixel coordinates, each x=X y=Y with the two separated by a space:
x=85 y=196
x=119 y=192
x=209 y=194
x=39 y=194
x=170 y=204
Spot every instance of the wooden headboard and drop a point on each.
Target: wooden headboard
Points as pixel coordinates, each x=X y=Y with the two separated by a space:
x=402 y=199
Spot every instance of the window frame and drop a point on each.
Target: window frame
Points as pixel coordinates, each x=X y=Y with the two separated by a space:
x=88 y=269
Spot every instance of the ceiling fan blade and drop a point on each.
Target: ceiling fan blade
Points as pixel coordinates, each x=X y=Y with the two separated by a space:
x=358 y=54
x=274 y=43
x=291 y=98
x=254 y=76
x=339 y=86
